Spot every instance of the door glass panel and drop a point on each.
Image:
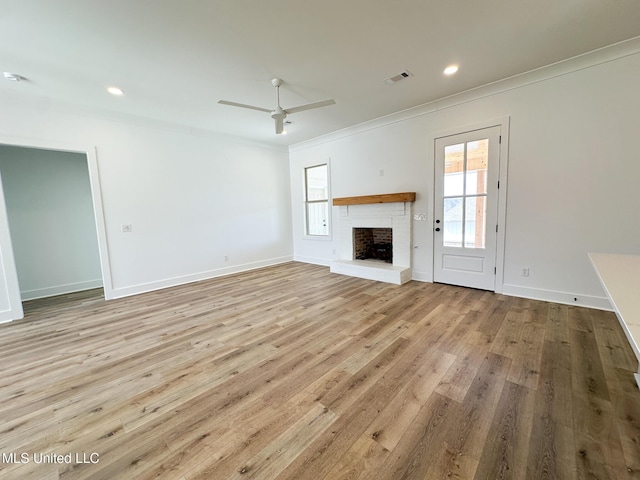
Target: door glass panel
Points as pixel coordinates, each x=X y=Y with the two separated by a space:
x=452 y=228
x=474 y=226
x=477 y=162
x=454 y=170
x=465 y=190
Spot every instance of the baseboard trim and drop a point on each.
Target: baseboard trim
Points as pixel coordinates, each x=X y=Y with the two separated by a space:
x=313 y=260
x=60 y=289
x=196 y=277
x=422 y=277
x=565 y=298
x=7 y=316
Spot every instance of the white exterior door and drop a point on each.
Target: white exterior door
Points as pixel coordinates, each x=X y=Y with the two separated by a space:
x=466 y=208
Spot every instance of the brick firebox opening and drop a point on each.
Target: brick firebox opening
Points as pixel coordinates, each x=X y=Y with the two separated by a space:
x=373 y=243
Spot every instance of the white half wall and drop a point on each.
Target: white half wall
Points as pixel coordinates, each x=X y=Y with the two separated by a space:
x=200 y=205
x=573 y=171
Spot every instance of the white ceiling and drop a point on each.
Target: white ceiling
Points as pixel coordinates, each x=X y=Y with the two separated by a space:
x=176 y=58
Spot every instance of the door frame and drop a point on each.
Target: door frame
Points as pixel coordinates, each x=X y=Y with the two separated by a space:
x=503 y=123
x=7 y=259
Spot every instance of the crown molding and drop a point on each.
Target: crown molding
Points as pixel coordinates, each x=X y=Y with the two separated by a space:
x=580 y=62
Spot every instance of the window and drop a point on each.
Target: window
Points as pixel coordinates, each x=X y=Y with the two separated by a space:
x=316 y=200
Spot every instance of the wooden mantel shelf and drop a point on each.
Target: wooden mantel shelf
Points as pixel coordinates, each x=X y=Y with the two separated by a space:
x=384 y=198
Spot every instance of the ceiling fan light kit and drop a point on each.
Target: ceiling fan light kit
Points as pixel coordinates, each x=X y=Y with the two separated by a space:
x=279 y=113
x=13 y=77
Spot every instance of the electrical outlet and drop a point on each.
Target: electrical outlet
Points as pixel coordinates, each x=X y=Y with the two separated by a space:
x=525 y=271
x=382 y=173
x=125 y=228
x=226 y=258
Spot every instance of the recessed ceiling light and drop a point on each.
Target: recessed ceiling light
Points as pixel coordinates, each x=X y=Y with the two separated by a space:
x=115 y=91
x=450 y=70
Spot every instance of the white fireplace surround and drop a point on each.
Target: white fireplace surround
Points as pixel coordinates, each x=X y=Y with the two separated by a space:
x=397 y=216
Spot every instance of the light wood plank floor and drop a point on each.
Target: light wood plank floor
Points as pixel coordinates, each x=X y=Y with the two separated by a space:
x=291 y=372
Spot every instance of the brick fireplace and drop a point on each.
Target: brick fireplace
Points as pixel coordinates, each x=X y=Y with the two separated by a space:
x=373 y=227
x=373 y=244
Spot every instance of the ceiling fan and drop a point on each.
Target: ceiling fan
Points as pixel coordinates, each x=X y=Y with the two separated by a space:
x=279 y=113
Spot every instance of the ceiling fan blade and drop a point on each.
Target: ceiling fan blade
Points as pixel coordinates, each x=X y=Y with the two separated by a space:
x=309 y=106
x=279 y=125
x=242 y=105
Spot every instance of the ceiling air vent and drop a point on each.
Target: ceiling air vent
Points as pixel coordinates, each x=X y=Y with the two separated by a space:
x=396 y=78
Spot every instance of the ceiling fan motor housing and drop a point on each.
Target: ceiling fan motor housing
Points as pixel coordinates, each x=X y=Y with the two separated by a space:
x=278 y=114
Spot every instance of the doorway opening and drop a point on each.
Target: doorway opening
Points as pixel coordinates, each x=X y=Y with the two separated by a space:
x=468 y=244
x=47 y=195
x=53 y=233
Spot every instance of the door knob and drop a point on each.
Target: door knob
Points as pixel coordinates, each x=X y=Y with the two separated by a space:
x=437 y=221
x=437 y=229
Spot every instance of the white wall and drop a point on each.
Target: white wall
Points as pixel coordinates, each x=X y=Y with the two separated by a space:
x=192 y=198
x=53 y=228
x=573 y=173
